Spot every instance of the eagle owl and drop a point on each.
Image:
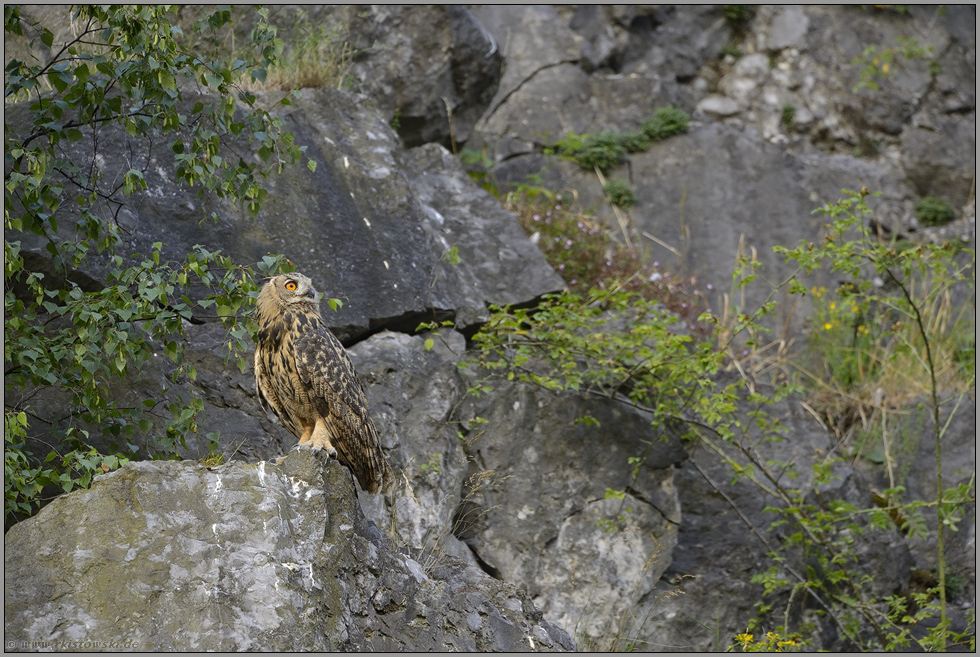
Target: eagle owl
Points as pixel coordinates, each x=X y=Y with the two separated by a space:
x=304 y=373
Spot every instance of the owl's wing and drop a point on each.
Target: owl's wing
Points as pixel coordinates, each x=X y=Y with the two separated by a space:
x=323 y=365
x=260 y=383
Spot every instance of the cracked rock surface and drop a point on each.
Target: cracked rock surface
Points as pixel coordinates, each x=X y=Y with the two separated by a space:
x=160 y=556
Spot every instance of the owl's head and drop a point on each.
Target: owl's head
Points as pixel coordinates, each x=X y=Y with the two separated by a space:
x=286 y=290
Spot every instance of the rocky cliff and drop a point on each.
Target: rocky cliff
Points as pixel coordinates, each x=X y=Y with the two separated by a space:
x=267 y=556
x=496 y=539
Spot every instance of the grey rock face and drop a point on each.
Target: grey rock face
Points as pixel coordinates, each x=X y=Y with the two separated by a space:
x=356 y=226
x=706 y=192
x=544 y=518
x=457 y=63
x=939 y=158
x=705 y=596
x=788 y=28
x=268 y=556
x=412 y=393
x=491 y=245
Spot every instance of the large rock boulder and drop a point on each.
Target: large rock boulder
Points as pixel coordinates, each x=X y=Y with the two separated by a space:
x=166 y=556
x=356 y=226
x=706 y=595
x=432 y=69
x=412 y=393
x=542 y=513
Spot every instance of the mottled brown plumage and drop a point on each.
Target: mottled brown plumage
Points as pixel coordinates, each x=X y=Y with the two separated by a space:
x=304 y=373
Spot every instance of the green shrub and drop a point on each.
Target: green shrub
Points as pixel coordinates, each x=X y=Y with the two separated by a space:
x=666 y=122
x=575 y=342
x=620 y=193
x=634 y=142
x=604 y=150
x=122 y=66
x=932 y=211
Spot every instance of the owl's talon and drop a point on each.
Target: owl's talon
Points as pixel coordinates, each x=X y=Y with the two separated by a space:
x=328 y=450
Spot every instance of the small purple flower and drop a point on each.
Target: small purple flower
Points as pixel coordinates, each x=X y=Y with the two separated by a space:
x=557 y=207
x=548 y=213
x=537 y=217
x=710 y=286
x=561 y=267
x=656 y=263
x=683 y=305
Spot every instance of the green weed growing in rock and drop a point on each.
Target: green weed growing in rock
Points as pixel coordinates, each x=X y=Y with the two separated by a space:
x=737 y=13
x=620 y=193
x=789 y=112
x=878 y=62
x=478 y=166
x=607 y=150
x=634 y=142
x=603 y=151
x=312 y=55
x=77 y=343
x=902 y=292
x=666 y=122
x=730 y=49
x=932 y=211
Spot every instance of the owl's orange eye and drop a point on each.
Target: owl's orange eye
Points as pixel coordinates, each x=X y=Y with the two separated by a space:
x=290 y=285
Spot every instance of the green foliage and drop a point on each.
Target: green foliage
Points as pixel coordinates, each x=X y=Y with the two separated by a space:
x=932 y=211
x=789 y=111
x=738 y=13
x=25 y=479
x=613 y=343
x=604 y=150
x=620 y=193
x=478 y=166
x=608 y=149
x=434 y=464
x=877 y=62
x=666 y=122
x=313 y=55
x=123 y=65
x=634 y=142
x=915 y=278
x=770 y=642
x=730 y=49
x=571 y=342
